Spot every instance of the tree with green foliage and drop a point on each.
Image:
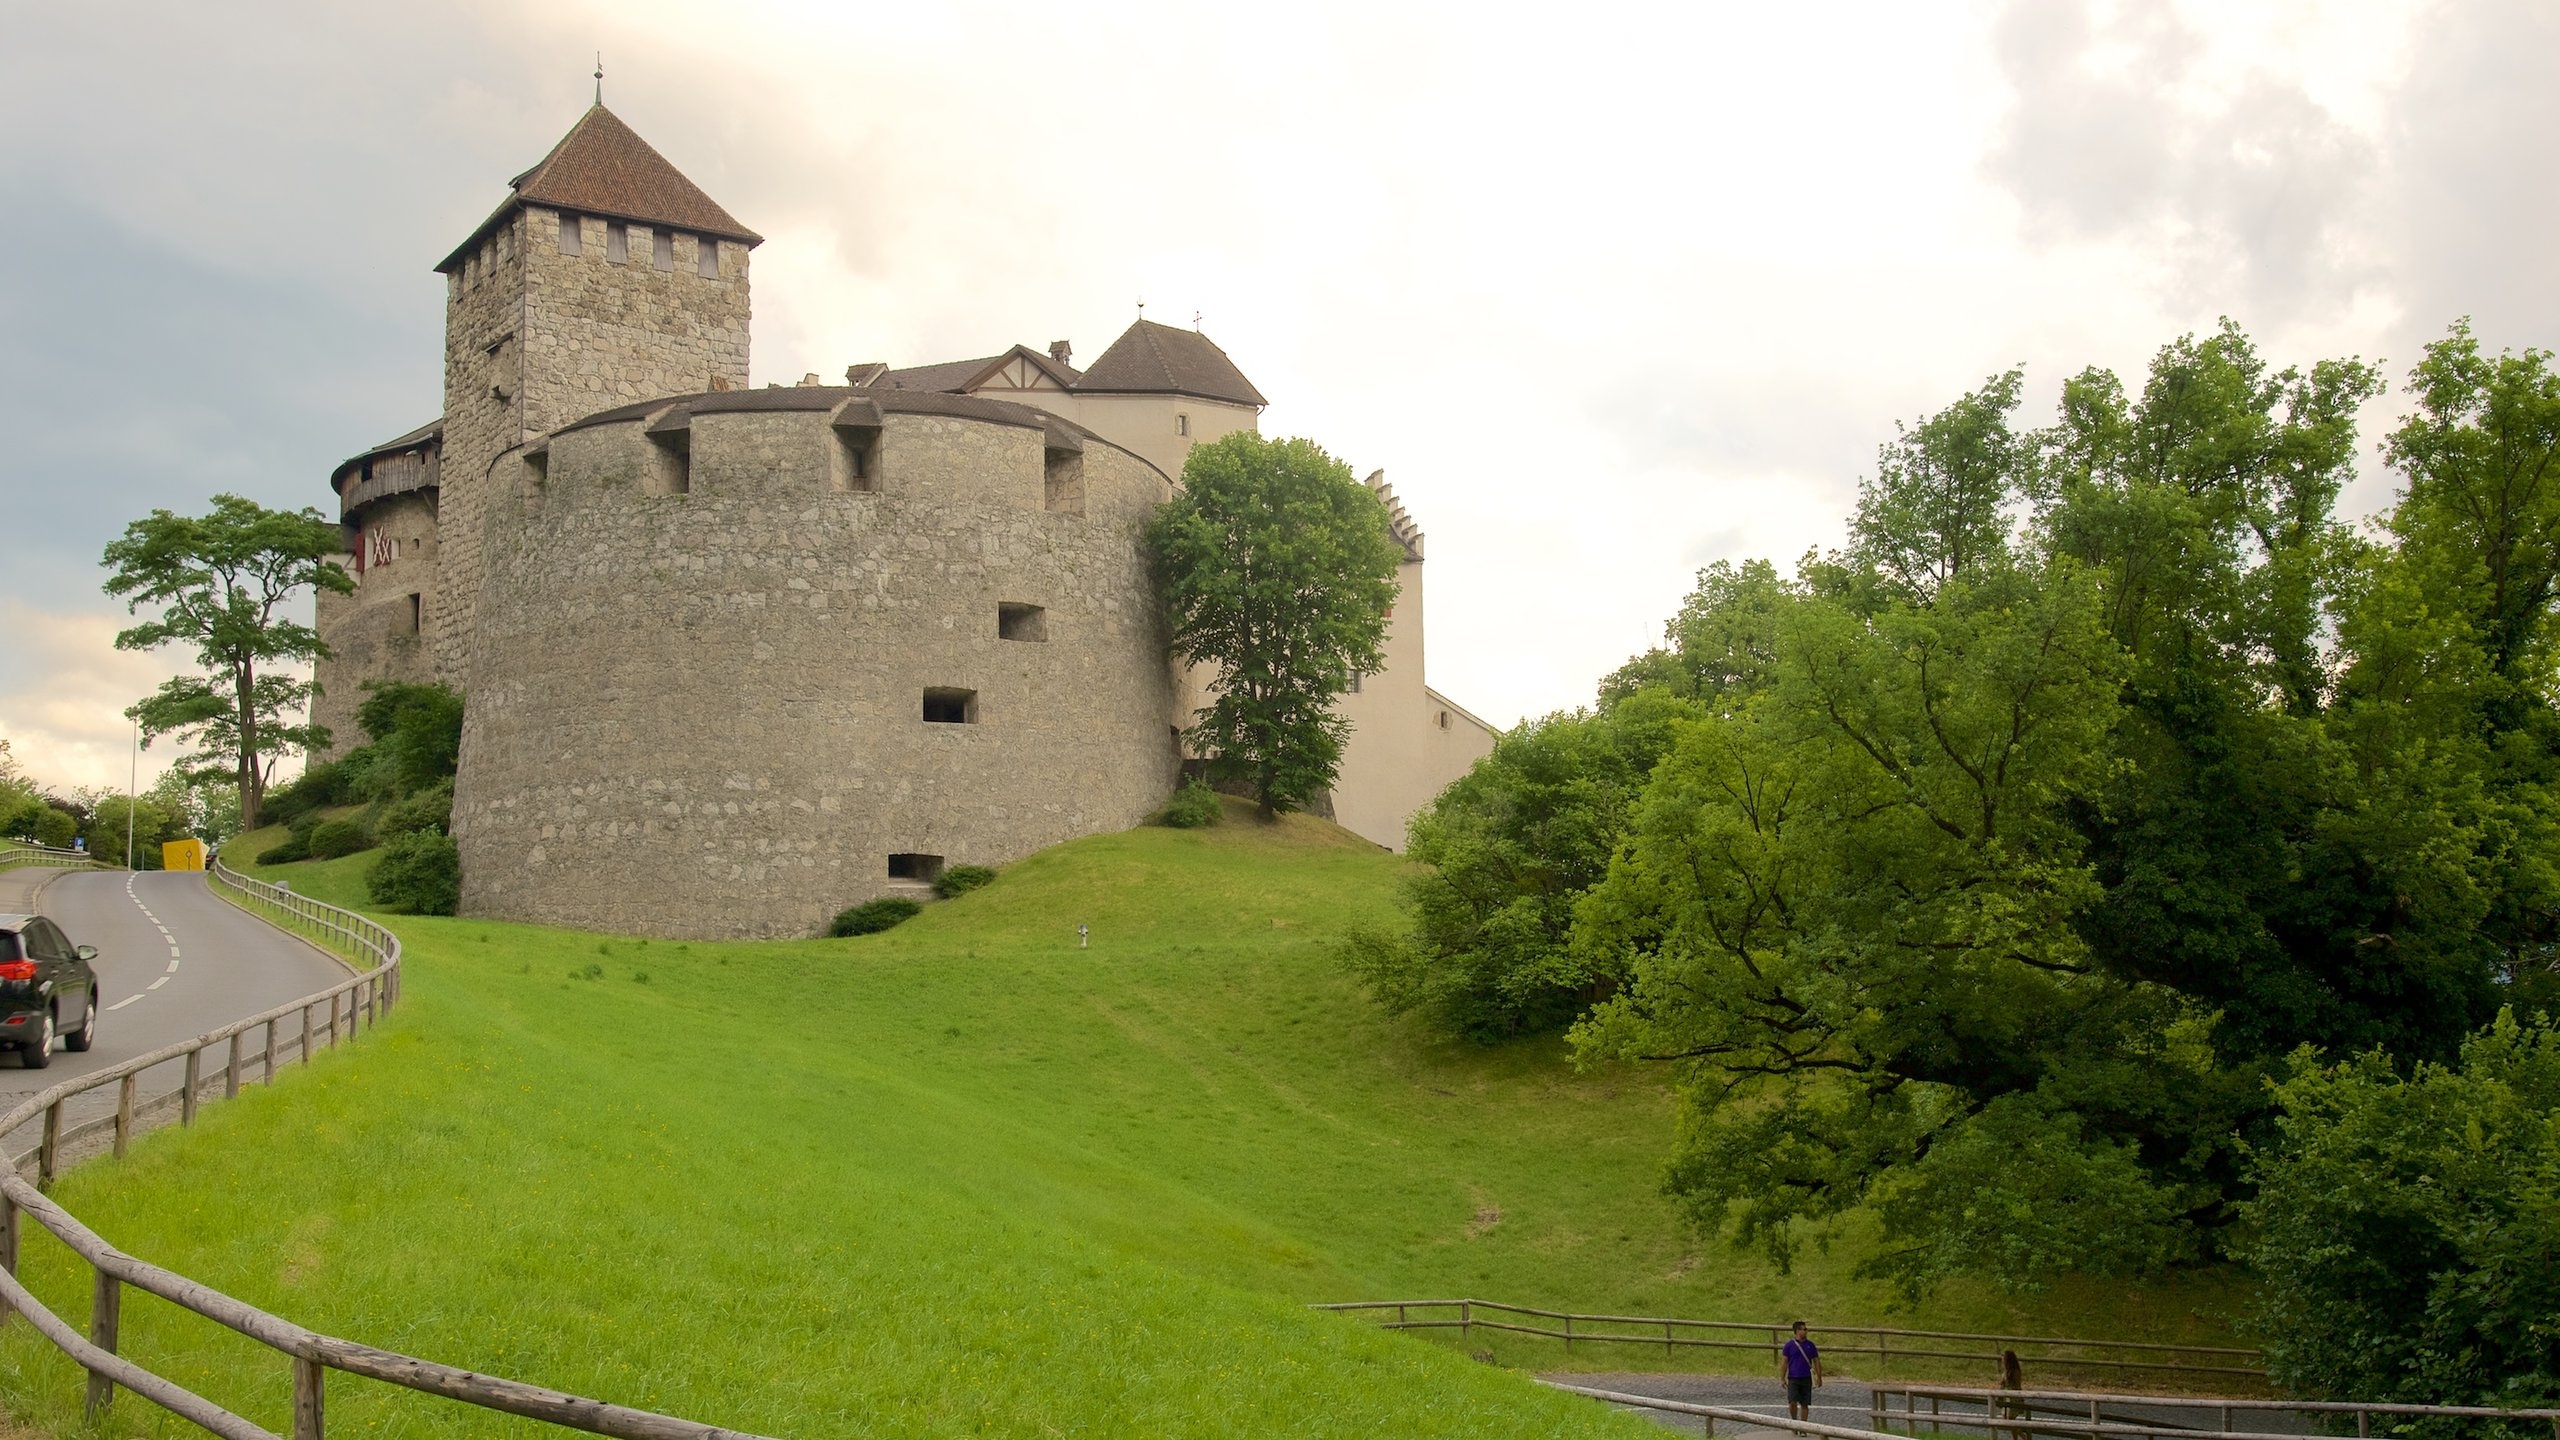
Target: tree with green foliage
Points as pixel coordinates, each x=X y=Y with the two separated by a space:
x=219 y=583
x=1278 y=571
x=1504 y=856
x=2405 y=1222
x=2102 y=770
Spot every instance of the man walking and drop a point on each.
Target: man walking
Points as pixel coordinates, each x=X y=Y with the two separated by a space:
x=1800 y=1361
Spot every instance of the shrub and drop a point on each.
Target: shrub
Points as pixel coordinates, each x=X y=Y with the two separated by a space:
x=333 y=838
x=959 y=880
x=318 y=786
x=420 y=872
x=873 y=916
x=54 y=828
x=1191 y=807
x=428 y=809
x=296 y=846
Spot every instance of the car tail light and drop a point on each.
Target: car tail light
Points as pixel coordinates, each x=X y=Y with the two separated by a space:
x=17 y=970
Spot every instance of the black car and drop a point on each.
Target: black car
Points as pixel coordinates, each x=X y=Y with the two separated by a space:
x=42 y=977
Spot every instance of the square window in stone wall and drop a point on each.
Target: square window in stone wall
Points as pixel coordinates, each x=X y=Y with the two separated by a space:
x=706 y=257
x=671 y=463
x=1017 y=621
x=945 y=706
x=907 y=865
x=662 y=249
x=573 y=237
x=617 y=241
x=854 y=460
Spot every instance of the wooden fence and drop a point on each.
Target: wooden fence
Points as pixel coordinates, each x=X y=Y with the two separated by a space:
x=353 y=1006
x=2222 y=1364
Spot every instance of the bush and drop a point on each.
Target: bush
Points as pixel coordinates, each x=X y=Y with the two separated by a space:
x=420 y=872
x=429 y=809
x=2404 y=1225
x=1191 y=807
x=318 y=786
x=873 y=916
x=296 y=846
x=54 y=828
x=959 y=880
x=333 y=838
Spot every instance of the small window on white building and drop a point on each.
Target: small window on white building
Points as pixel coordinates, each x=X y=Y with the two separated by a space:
x=617 y=241
x=662 y=249
x=1181 y=423
x=573 y=235
x=1355 y=682
x=706 y=257
x=1444 y=719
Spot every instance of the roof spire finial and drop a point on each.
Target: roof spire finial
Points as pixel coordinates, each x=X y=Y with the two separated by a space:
x=1142 y=307
x=599 y=77
x=1195 y=322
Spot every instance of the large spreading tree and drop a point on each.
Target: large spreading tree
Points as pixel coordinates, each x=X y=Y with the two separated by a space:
x=218 y=584
x=1278 y=570
x=1995 y=866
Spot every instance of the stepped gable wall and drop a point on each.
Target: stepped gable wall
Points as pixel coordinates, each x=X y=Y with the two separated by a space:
x=708 y=630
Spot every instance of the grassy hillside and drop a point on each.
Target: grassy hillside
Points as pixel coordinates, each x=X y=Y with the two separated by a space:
x=339 y=881
x=959 y=1178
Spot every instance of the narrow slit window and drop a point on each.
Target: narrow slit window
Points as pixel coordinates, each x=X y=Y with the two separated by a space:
x=944 y=706
x=857 y=449
x=417 y=611
x=706 y=257
x=573 y=235
x=662 y=249
x=907 y=865
x=1017 y=621
x=1181 y=424
x=617 y=241
x=1355 y=682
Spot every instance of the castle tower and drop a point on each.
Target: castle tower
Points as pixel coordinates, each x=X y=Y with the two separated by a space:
x=605 y=277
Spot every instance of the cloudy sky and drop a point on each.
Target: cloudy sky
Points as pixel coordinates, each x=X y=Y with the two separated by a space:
x=1610 y=292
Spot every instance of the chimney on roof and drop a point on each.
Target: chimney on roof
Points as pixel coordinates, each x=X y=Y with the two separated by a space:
x=1059 y=350
x=809 y=378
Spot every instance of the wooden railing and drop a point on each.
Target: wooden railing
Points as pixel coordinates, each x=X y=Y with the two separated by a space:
x=2225 y=1364
x=354 y=1004
x=2018 y=1414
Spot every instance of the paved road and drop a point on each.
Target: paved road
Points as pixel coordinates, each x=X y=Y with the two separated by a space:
x=174 y=960
x=1842 y=1402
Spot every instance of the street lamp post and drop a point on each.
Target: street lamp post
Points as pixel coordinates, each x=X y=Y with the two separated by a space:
x=132 y=791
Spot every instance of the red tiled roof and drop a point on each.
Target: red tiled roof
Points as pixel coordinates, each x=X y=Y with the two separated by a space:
x=603 y=167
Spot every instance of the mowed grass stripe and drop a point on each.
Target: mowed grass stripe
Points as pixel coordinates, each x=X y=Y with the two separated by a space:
x=962 y=1178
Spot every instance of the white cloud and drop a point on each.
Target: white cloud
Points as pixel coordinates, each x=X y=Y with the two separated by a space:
x=63 y=692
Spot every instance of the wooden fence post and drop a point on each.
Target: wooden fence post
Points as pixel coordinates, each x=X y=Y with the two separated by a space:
x=308 y=1381
x=333 y=1018
x=231 y=1071
x=106 y=1304
x=306 y=1034
x=195 y=1073
x=271 y=1052
x=49 y=1162
x=124 y=1113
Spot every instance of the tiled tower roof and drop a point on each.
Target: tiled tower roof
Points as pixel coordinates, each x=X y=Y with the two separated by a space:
x=1153 y=359
x=603 y=167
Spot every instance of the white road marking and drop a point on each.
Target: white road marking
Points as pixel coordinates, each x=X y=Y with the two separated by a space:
x=173 y=967
x=129 y=999
x=154 y=985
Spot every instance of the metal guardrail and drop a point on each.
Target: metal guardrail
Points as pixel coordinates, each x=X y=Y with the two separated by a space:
x=1885 y=1343
x=2018 y=1414
x=13 y=854
x=356 y=1003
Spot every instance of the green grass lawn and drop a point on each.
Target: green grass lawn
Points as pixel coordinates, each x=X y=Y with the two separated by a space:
x=339 y=881
x=961 y=1178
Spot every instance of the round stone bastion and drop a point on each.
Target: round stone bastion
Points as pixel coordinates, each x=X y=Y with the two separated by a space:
x=747 y=658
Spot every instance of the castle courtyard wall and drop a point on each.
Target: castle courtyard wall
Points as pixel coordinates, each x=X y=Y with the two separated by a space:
x=382 y=631
x=702 y=713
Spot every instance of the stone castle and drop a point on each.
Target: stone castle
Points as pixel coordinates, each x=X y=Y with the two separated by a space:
x=736 y=658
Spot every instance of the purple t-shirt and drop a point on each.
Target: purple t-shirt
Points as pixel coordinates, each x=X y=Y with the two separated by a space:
x=1800 y=1354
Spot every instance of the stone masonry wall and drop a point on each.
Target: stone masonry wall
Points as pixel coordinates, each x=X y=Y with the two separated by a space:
x=535 y=340
x=369 y=633
x=701 y=714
